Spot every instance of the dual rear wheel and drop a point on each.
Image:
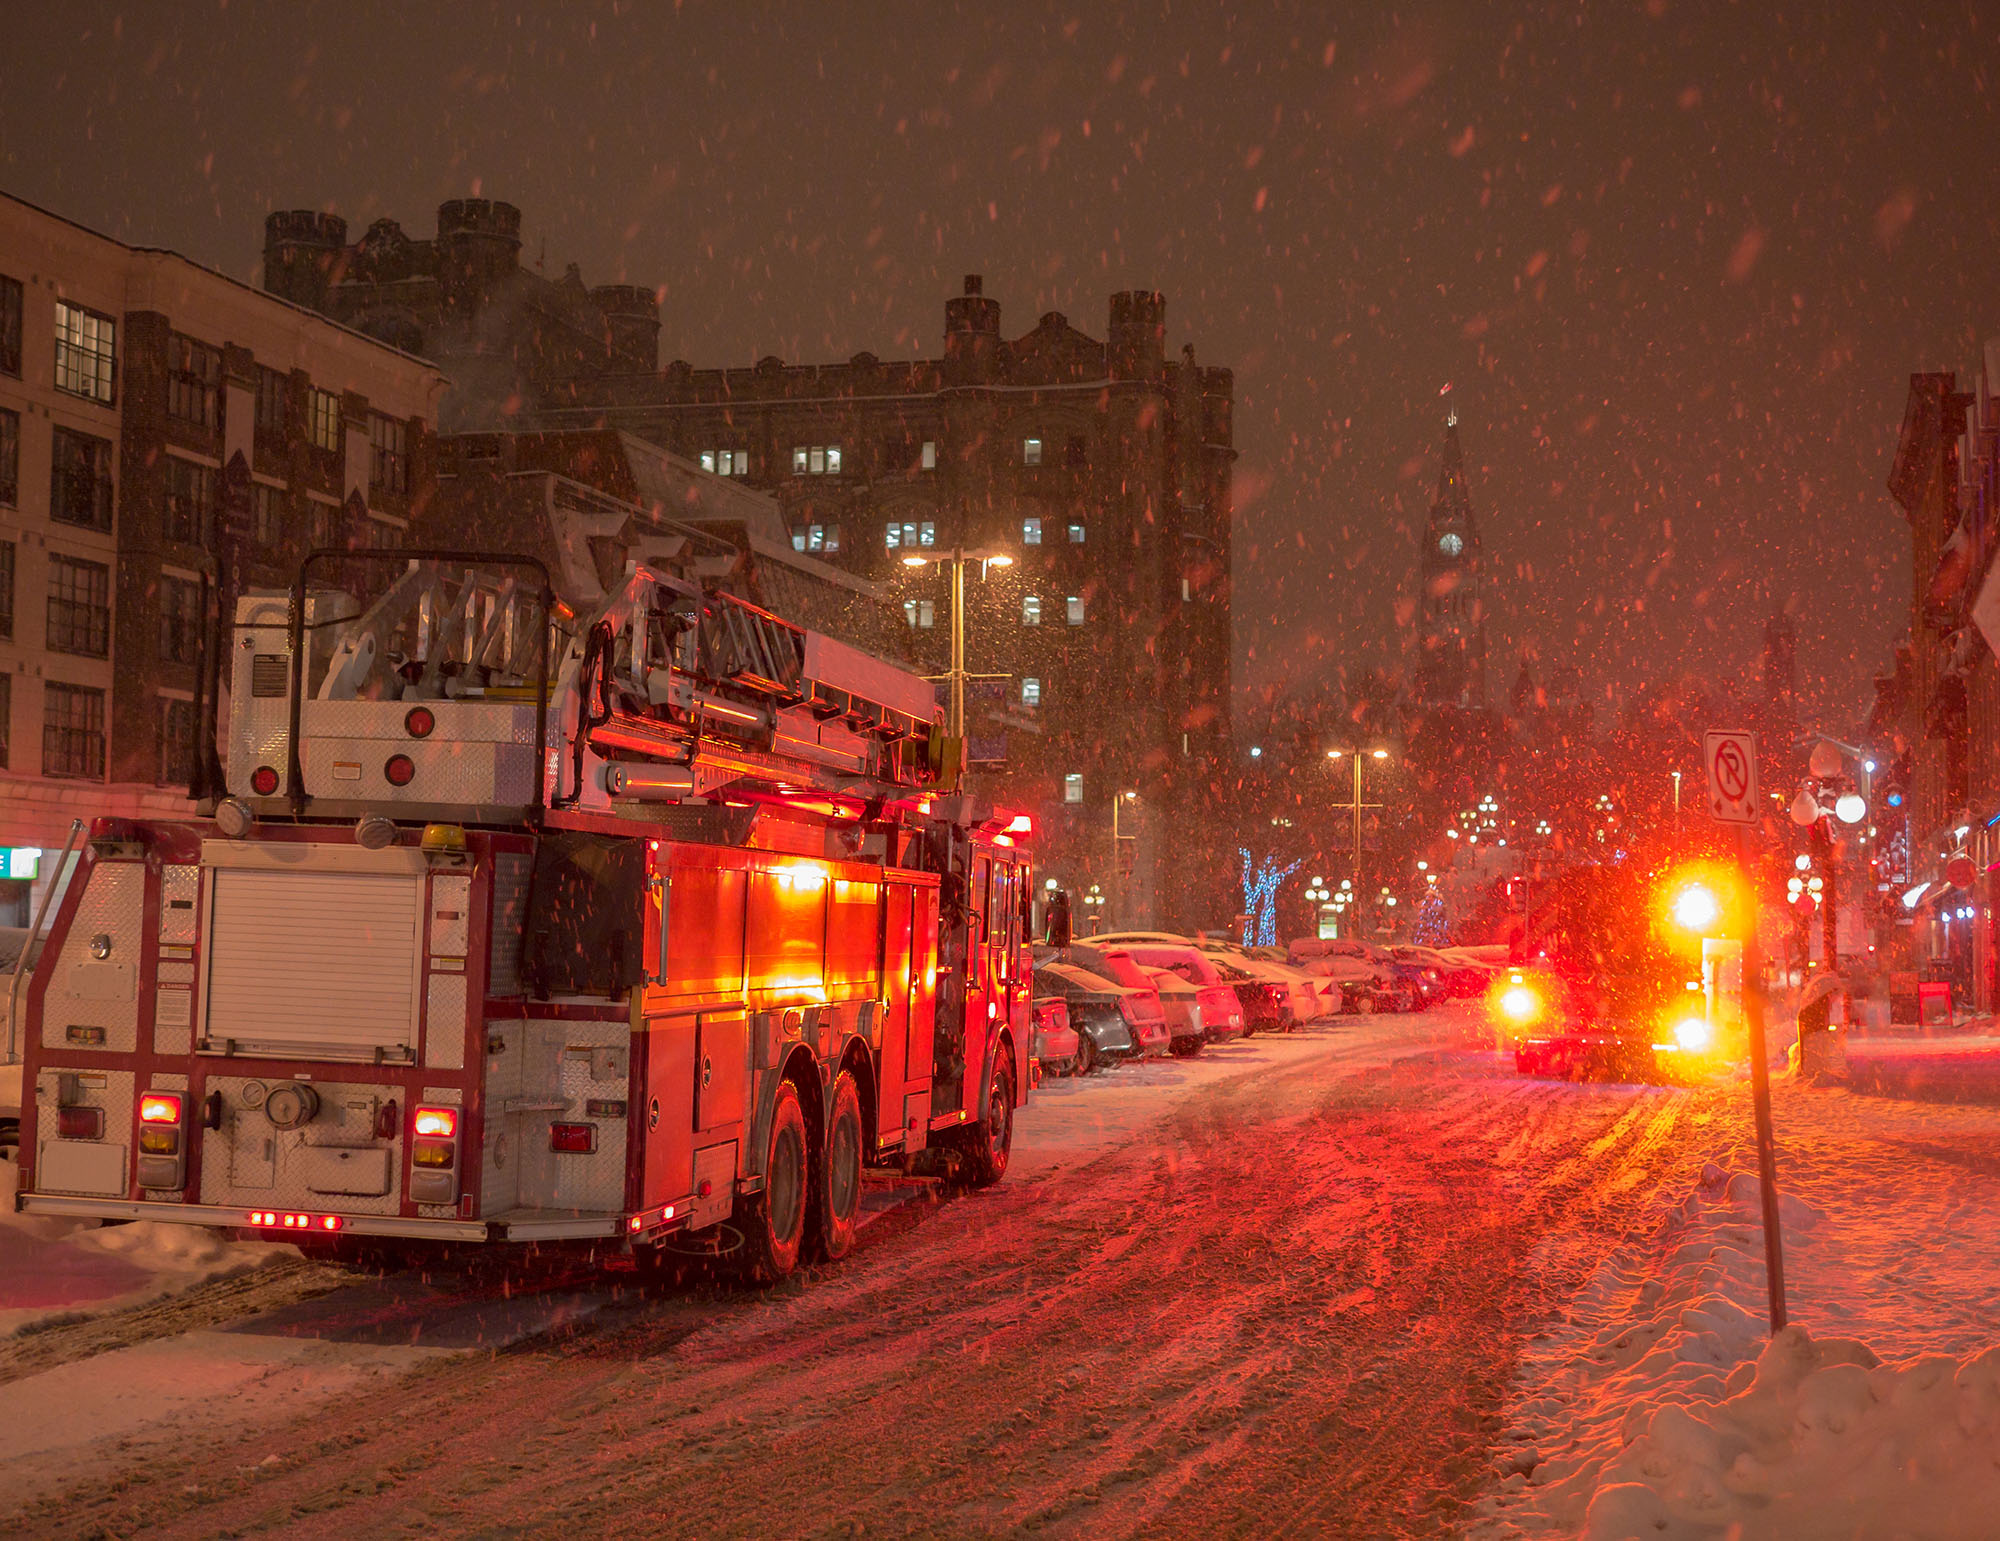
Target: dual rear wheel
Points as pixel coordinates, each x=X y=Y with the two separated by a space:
x=810 y=1205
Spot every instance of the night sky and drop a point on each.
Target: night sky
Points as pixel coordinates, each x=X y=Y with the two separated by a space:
x=1676 y=261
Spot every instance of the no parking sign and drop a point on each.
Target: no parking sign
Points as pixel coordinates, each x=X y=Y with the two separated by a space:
x=1732 y=775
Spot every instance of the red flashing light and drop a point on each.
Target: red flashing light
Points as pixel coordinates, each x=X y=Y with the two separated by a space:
x=105 y=827
x=438 y=1123
x=80 y=1123
x=159 y=1108
x=400 y=770
x=635 y=1223
x=418 y=721
x=573 y=1139
x=329 y=1222
x=1022 y=825
x=263 y=781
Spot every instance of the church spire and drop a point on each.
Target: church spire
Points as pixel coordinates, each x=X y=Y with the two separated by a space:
x=1451 y=667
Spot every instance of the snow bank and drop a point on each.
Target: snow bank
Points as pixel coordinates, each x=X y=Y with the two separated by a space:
x=1661 y=1406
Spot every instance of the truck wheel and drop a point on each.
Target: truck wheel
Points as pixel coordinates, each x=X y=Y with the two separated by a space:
x=837 y=1193
x=1086 y=1055
x=774 y=1221
x=990 y=1140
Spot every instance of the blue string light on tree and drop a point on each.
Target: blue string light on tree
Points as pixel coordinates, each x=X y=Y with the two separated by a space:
x=1260 y=896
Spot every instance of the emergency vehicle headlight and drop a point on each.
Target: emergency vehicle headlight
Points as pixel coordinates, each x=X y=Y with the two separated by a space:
x=1520 y=1004
x=159 y=1108
x=1693 y=1034
x=437 y=1123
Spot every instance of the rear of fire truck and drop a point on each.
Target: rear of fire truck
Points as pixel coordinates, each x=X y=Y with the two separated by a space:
x=647 y=927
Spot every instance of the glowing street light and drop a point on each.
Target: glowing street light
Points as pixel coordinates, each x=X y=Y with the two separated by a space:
x=1696 y=907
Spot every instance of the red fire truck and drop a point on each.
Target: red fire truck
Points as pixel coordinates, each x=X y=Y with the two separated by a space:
x=651 y=925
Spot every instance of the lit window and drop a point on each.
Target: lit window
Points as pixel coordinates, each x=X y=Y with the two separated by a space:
x=1031 y=609
x=1075 y=533
x=926 y=533
x=1072 y=788
x=929 y=460
x=920 y=612
x=1074 y=608
x=832 y=538
x=1187 y=591
x=1031 y=691
x=833 y=460
x=1031 y=532
x=799 y=539
x=323 y=420
x=734 y=462
x=86 y=352
x=800 y=459
x=893 y=535
x=819 y=537
x=1031 y=452
x=807 y=460
x=708 y=460
x=815 y=537
x=816 y=460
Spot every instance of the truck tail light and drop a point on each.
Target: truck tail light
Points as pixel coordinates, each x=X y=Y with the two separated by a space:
x=434 y=1153
x=80 y=1123
x=263 y=781
x=159 y=1108
x=400 y=770
x=418 y=722
x=576 y=1139
x=162 y=1151
x=438 y=1123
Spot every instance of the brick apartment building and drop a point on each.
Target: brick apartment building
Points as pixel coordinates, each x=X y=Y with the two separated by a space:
x=139 y=394
x=1101 y=467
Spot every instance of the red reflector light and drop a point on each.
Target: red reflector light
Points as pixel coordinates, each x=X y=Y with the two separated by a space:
x=634 y=1223
x=80 y=1123
x=159 y=1108
x=263 y=781
x=400 y=771
x=329 y=1222
x=418 y=722
x=438 y=1123
x=577 y=1139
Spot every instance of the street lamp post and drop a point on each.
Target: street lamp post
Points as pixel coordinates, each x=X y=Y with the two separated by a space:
x=957 y=675
x=1356 y=804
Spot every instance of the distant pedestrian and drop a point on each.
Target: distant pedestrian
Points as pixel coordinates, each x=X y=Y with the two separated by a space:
x=1058 y=933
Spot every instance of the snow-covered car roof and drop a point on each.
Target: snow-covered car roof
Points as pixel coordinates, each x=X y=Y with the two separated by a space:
x=1080 y=980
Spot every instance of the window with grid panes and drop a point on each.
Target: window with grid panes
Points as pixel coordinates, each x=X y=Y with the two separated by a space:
x=1076 y=532
x=194 y=379
x=10 y=326
x=173 y=742
x=180 y=620
x=1031 y=532
x=325 y=524
x=6 y=715
x=323 y=418
x=79 y=607
x=1031 y=609
x=72 y=730
x=6 y=588
x=86 y=353
x=270 y=409
x=10 y=457
x=80 y=480
x=389 y=460
x=267 y=514
x=190 y=501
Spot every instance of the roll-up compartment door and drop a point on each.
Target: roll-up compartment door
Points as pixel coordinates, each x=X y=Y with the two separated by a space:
x=303 y=961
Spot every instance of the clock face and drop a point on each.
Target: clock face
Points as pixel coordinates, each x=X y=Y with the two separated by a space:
x=1451 y=544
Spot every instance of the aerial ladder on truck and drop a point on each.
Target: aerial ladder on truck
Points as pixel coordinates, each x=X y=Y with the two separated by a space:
x=646 y=926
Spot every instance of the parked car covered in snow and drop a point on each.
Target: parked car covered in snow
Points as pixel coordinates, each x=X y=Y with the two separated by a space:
x=1182 y=1013
x=1224 y=1010
x=1291 y=990
x=1057 y=1045
x=1326 y=991
x=1112 y=1021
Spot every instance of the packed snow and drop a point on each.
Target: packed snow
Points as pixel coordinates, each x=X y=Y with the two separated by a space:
x=1662 y=1407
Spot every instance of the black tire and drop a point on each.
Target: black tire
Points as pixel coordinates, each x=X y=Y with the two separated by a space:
x=837 y=1187
x=990 y=1141
x=1086 y=1055
x=773 y=1220
x=1186 y=1046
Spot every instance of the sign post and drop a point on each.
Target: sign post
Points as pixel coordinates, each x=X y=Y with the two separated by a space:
x=1732 y=799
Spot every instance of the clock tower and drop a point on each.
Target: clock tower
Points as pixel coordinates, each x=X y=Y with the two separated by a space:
x=1451 y=617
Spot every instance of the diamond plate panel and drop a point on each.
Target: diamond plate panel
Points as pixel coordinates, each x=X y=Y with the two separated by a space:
x=565 y=1065
x=510 y=912
x=180 y=893
x=103 y=992
x=100 y=1167
x=451 y=899
x=444 y=1022
x=249 y=1161
x=481 y=753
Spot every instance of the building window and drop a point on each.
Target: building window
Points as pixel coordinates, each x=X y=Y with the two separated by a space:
x=194 y=379
x=920 y=612
x=80 y=480
x=6 y=589
x=798 y=537
x=726 y=462
x=388 y=454
x=1031 y=532
x=323 y=419
x=1076 y=452
x=190 y=501
x=928 y=459
x=10 y=458
x=72 y=731
x=818 y=537
x=382 y=534
x=912 y=534
x=267 y=513
x=79 y=607
x=927 y=533
x=1072 y=788
x=180 y=620
x=325 y=525
x=893 y=535
x=270 y=409
x=6 y=716
x=815 y=460
x=173 y=742
x=1187 y=590
x=1031 y=691
x=10 y=327
x=1076 y=532
x=1031 y=452
x=1031 y=609
x=86 y=353
x=1073 y=607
